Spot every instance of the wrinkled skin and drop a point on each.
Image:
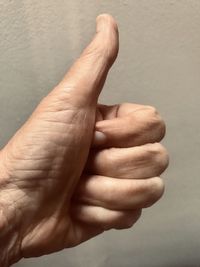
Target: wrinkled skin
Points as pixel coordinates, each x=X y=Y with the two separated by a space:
x=62 y=185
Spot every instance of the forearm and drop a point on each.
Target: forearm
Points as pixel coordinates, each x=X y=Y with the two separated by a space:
x=9 y=244
x=9 y=228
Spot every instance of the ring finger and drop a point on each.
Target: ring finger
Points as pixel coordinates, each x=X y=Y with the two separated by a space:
x=119 y=194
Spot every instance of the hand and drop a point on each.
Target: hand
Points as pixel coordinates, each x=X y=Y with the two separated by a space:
x=43 y=167
x=122 y=172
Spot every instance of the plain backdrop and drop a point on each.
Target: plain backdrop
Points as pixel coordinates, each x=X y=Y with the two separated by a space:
x=159 y=65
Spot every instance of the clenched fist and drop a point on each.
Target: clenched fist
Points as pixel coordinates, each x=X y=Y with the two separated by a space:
x=77 y=168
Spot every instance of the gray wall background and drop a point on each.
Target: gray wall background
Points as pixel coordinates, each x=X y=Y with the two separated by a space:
x=158 y=64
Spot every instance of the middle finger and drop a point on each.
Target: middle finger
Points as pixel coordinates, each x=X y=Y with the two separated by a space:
x=130 y=163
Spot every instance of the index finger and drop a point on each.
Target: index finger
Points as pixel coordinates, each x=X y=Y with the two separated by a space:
x=128 y=125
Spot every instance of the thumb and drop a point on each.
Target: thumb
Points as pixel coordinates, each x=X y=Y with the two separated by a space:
x=85 y=79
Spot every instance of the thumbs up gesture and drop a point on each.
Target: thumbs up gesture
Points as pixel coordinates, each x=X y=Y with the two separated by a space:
x=77 y=168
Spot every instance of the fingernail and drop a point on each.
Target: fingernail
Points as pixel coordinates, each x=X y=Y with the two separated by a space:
x=99 y=138
x=100 y=20
x=105 y=22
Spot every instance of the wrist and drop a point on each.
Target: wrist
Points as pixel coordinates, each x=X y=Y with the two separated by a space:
x=9 y=230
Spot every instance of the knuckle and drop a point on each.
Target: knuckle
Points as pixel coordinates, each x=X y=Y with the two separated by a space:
x=152 y=111
x=111 y=154
x=131 y=190
x=155 y=149
x=161 y=128
x=159 y=155
x=118 y=194
x=127 y=223
x=91 y=51
x=163 y=158
x=156 y=122
x=158 y=125
x=111 y=192
x=147 y=112
x=111 y=159
x=127 y=219
x=155 y=190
